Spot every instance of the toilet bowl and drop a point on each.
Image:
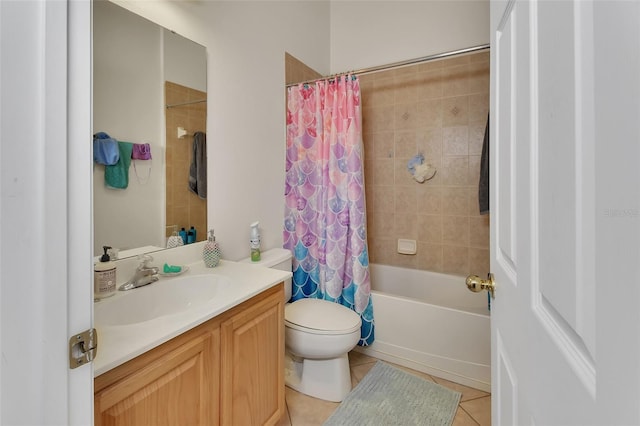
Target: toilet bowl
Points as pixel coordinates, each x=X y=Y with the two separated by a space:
x=318 y=336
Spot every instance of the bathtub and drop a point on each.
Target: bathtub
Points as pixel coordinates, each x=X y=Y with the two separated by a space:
x=432 y=323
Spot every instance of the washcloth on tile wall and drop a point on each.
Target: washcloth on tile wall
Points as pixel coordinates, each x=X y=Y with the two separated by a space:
x=198 y=169
x=483 y=184
x=117 y=176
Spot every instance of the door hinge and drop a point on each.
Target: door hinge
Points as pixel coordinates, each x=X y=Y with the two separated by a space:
x=83 y=348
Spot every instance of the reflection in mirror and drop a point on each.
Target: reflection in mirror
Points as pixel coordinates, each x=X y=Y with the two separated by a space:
x=149 y=84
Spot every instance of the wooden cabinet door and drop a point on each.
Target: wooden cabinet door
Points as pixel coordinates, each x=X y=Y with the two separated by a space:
x=177 y=388
x=252 y=386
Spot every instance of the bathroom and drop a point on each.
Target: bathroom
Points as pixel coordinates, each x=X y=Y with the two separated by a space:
x=46 y=206
x=245 y=62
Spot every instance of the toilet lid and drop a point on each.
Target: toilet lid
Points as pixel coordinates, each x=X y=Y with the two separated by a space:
x=322 y=316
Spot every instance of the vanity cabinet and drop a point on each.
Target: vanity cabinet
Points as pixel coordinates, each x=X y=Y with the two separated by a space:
x=227 y=371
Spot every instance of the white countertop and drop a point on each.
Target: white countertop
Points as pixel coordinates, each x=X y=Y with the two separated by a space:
x=121 y=343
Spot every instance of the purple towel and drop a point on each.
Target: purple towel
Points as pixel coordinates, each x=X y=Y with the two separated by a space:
x=141 y=151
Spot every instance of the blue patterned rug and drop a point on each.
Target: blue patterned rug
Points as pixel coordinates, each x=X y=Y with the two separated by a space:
x=389 y=396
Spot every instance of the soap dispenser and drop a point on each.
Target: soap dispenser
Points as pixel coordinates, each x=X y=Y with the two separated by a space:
x=211 y=251
x=254 y=242
x=104 y=276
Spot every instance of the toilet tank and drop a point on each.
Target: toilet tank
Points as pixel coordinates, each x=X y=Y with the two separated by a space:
x=276 y=258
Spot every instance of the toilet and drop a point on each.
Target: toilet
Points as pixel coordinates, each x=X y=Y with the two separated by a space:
x=318 y=336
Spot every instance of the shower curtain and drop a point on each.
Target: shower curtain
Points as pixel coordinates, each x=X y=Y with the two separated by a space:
x=325 y=216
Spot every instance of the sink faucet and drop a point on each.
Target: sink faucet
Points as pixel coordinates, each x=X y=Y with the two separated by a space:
x=144 y=274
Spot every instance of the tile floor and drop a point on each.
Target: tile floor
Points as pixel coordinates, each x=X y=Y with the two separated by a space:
x=302 y=410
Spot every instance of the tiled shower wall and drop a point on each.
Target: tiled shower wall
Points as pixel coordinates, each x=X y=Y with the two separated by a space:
x=439 y=109
x=184 y=208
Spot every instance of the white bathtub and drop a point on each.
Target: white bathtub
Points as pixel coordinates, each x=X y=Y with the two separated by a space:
x=432 y=323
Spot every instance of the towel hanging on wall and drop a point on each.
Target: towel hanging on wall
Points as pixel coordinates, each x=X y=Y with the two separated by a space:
x=117 y=176
x=105 y=149
x=483 y=184
x=141 y=151
x=198 y=169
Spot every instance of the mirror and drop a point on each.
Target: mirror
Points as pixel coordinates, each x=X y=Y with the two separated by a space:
x=149 y=86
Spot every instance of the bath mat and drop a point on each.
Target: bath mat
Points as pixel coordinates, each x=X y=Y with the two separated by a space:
x=389 y=396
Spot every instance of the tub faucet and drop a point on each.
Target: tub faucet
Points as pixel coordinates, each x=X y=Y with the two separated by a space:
x=144 y=274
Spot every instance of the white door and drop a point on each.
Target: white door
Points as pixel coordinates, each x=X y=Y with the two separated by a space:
x=45 y=210
x=565 y=212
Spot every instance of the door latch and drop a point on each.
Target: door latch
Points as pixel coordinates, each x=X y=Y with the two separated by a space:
x=83 y=348
x=476 y=284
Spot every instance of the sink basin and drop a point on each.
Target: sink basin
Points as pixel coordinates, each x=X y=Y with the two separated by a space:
x=162 y=298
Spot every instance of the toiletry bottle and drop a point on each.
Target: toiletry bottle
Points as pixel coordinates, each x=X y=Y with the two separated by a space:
x=183 y=235
x=190 y=237
x=174 y=240
x=211 y=251
x=104 y=276
x=254 y=242
x=195 y=235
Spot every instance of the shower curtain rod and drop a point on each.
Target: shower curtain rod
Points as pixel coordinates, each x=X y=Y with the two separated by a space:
x=186 y=103
x=401 y=63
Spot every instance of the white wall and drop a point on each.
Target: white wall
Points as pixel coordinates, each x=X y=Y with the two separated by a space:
x=371 y=33
x=128 y=105
x=132 y=58
x=246 y=42
x=185 y=62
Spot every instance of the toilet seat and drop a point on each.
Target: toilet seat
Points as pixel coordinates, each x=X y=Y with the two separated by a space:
x=318 y=316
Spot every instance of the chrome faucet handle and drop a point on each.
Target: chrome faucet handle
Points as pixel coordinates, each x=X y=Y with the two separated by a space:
x=144 y=261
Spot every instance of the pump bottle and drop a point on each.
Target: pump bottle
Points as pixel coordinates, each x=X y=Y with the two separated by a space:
x=254 y=242
x=104 y=276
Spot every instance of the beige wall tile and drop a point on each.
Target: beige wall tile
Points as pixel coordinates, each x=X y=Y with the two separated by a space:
x=430 y=113
x=479 y=261
x=406 y=200
x=383 y=199
x=437 y=109
x=429 y=142
x=476 y=138
x=455 y=80
x=183 y=208
x=383 y=93
x=404 y=260
x=455 y=230
x=383 y=145
x=478 y=77
x=406 y=225
x=406 y=116
x=383 y=226
x=479 y=231
x=402 y=177
x=383 y=171
x=455 y=170
x=455 y=111
x=429 y=257
x=405 y=144
x=474 y=170
x=455 y=140
x=431 y=86
x=455 y=260
x=430 y=229
x=406 y=87
x=478 y=108
x=455 y=201
x=430 y=199
x=378 y=119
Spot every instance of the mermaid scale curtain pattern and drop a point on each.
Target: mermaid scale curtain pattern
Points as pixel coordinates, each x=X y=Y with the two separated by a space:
x=325 y=216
